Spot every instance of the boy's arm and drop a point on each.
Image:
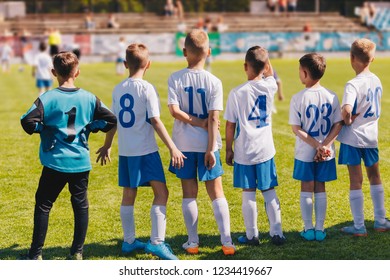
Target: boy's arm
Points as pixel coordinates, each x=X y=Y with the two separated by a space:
x=298 y=131
x=335 y=130
x=213 y=120
x=103 y=118
x=32 y=121
x=346 y=114
x=177 y=157
x=229 y=136
x=180 y=115
x=105 y=151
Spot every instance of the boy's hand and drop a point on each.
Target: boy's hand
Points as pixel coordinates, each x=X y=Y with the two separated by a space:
x=322 y=153
x=177 y=158
x=209 y=160
x=229 y=158
x=103 y=155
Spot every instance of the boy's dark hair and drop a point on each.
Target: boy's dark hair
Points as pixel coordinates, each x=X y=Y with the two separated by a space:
x=65 y=64
x=315 y=64
x=137 y=56
x=257 y=58
x=42 y=46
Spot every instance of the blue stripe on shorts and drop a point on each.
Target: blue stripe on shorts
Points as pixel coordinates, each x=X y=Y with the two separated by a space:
x=323 y=171
x=261 y=176
x=353 y=156
x=194 y=167
x=140 y=170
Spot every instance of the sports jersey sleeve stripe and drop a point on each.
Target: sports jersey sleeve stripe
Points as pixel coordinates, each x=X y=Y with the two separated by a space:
x=32 y=120
x=172 y=96
x=350 y=95
x=294 y=117
x=153 y=104
x=229 y=110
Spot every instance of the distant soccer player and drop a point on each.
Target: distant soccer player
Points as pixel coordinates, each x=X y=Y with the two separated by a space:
x=249 y=125
x=42 y=69
x=64 y=117
x=6 y=55
x=361 y=109
x=195 y=98
x=315 y=118
x=120 y=56
x=136 y=105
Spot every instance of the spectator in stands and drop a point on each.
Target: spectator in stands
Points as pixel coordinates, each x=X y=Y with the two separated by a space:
x=307 y=27
x=54 y=41
x=179 y=10
x=200 y=23
x=282 y=6
x=112 y=22
x=169 y=8
x=89 y=22
x=367 y=13
x=292 y=5
x=272 y=5
x=221 y=26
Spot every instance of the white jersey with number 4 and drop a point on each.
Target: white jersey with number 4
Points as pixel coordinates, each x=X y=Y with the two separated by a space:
x=134 y=102
x=196 y=92
x=364 y=94
x=249 y=106
x=315 y=110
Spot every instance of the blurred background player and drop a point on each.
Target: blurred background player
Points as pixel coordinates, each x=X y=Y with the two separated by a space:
x=6 y=55
x=361 y=108
x=42 y=68
x=315 y=119
x=195 y=99
x=279 y=91
x=249 y=125
x=120 y=56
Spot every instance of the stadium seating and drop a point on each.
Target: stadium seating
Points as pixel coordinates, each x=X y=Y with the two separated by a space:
x=382 y=20
x=150 y=23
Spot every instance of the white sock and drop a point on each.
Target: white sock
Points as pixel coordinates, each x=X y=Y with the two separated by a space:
x=128 y=225
x=356 y=202
x=222 y=216
x=249 y=211
x=190 y=213
x=378 y=200
x=320 y=205
x=159 y=223
x=272 y=208
x=306 y=201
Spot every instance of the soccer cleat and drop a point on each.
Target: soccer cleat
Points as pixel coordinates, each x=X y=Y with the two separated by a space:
x=75 y=257
x=355 y=231
x=228 y=249
x=309 y=234
x=136 y=245
x=191 y=247
x=161 y=250
x=382 y=227
x=244 y=240
x=28 y=258
x=320 y=235
x=278 y=240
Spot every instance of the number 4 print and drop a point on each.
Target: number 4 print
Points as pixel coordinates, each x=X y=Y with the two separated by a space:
x=259 y=111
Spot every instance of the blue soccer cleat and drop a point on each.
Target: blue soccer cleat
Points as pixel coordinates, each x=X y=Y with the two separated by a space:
x=244 y=240
x=355 y=231
x=309 y=234
x=136 y=245
x=162 y=250
x=320 y=235
x=382 y=227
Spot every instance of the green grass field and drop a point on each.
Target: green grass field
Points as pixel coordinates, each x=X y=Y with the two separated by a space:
x=20 y=170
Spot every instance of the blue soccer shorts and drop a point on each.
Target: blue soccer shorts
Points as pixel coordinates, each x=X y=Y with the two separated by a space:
x=353 y=156
x=323 y=171
x=261 y=176
x=194 y=167
x=44 y=83
x=140 y=170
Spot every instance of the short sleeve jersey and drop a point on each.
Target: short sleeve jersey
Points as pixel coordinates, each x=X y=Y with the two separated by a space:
x=43 y=64
x=364 y=94
x=315 y=110
x=196 y=92
x=249 y=106
x=134 y=102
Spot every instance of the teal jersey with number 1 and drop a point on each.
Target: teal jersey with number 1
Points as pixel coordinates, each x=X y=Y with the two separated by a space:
x=64 y=119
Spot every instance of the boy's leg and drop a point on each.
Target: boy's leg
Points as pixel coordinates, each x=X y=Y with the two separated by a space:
x=127 y=214
x=249 y=212
x=272 y=207
x=356 y=198
x=78 y=186
x=220 y=208
x=190 y=208
x=50 y=185
x=320 y=205
x=158 y=212
x=377 y=196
